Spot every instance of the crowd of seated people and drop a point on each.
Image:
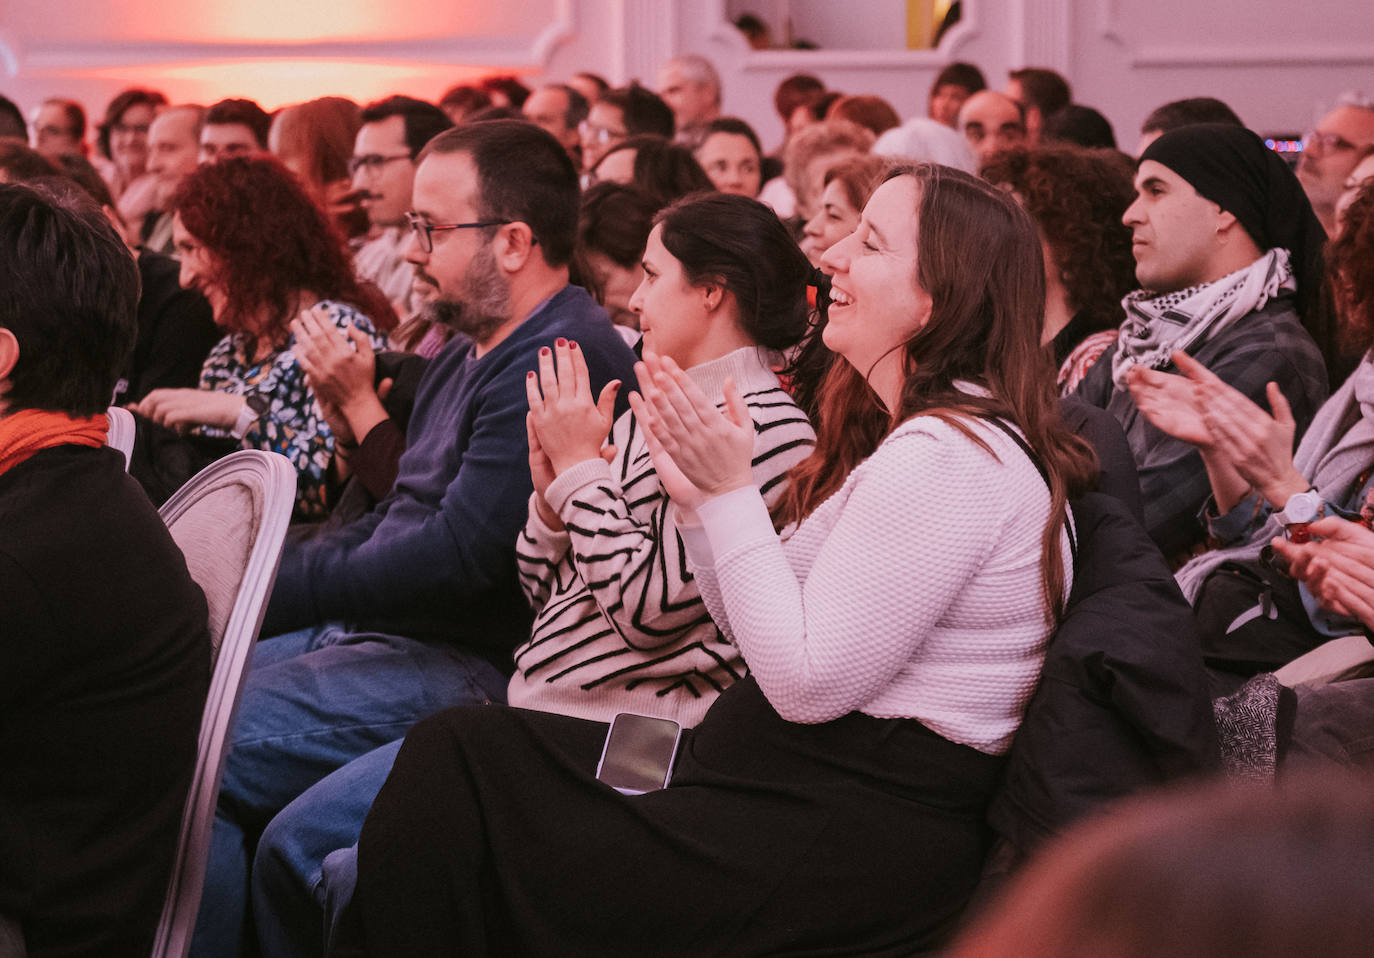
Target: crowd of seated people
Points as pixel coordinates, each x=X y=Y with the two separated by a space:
x=598 y=407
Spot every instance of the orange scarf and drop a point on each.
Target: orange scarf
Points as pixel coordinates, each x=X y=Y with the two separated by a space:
x=30 y=430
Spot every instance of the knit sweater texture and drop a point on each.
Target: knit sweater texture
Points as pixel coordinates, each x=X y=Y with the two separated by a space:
x=913 y=592
x=619 y=625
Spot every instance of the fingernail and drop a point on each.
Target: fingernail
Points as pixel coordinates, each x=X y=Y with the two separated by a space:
x=572 y=344
x=530 y=374
x=560 y=341
x=543 y=350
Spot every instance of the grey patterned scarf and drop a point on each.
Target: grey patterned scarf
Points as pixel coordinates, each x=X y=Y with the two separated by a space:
x=1158 y=324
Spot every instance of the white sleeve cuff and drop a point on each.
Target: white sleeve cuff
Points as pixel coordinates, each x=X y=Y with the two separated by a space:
x=736 y=518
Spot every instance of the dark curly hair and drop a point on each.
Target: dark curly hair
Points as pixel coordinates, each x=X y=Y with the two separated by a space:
x=271 y=242
x=1348 y=264
x=1076 y=198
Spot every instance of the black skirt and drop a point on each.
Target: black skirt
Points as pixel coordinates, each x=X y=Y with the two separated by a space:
x=492 y=836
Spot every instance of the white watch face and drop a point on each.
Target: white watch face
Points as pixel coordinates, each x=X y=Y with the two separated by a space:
x=1302 y=507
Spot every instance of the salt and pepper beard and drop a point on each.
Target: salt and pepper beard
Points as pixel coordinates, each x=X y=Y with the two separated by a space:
x=482 y=304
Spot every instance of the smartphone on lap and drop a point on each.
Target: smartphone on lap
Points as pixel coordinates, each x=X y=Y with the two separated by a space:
x=639 y=753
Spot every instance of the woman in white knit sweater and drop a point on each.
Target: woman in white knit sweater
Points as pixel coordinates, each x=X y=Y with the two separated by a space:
x=832 y=802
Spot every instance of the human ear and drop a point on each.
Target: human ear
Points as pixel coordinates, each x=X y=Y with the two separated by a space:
x=714 y=294
x=9 y=358
x=514 y=245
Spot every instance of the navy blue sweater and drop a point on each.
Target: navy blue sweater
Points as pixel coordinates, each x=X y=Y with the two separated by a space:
x=436 y=558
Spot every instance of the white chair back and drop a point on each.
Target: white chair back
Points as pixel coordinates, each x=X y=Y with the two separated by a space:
x=229 y=521
x=121 y=432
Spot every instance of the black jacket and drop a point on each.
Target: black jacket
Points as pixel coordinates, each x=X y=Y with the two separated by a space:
x=1123 y=702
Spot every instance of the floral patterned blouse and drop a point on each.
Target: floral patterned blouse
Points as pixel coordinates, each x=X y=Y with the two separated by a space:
x=292 y=424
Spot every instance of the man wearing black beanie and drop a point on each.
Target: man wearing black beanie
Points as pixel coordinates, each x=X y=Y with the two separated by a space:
x=1228 y=255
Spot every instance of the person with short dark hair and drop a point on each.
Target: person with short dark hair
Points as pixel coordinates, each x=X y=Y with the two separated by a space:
x=1041 y=93
x=732 y=156
x=954 y=84
x=12 y=120
x=1080 y=125
x=104 y=650
x=382 y=167
x=59 y=128
x=666 y=171
x=234 y=128
x=1186 y=112
x=461 y=100
x=559 y=109
x=417 y=605
x=624 y=111
x=590 y=85
x=504 y=90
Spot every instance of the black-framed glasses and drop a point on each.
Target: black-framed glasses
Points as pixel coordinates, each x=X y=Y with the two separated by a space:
x=424 y=230
x=372 y=162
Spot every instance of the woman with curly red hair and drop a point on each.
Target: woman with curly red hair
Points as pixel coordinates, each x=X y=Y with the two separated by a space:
x=1076 y=198
x=262 y=252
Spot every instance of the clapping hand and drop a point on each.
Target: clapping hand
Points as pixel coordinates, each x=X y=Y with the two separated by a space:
x=1337 y=565
x=339 y=368
x=698 y=451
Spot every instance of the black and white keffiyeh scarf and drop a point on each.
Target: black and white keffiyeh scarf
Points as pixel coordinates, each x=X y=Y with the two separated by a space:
x=1158 y=324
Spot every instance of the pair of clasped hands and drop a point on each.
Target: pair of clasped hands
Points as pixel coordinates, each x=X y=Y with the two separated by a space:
x=1245 y=449
x=697 y=451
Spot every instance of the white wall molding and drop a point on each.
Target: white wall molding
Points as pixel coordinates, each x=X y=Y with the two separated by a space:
x=1044 y=34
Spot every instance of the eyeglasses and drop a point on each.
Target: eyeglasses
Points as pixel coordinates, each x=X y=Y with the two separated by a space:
x=599 y=134
x=372 y=162
x=424 y=230
x=1326 y=142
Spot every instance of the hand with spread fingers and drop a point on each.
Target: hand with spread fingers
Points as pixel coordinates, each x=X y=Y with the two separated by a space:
x=339 y=368
x=1172 y=403
x=569 y=425
x=714 y=451
x=1257 y=445
x=182 y=409
x=1337 y=565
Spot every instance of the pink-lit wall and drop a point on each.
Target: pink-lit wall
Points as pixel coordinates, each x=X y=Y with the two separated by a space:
x=1278 y=64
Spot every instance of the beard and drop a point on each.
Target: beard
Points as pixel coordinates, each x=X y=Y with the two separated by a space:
x=482 y=305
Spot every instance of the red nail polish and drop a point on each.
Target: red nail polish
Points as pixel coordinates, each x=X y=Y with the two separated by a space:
x=572 y=344
x=560 y=341
x=530 y=374
x=543 y=350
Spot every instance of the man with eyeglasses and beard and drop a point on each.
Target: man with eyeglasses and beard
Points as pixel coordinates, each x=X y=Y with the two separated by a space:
x=392 y=134
x=416 y=606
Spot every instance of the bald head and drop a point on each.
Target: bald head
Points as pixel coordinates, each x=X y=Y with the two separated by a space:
x=173 y=149
x=992 y=122
x=690 y=86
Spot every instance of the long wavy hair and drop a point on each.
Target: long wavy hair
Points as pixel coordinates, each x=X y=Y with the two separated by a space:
x=270 y=242
x=979 y=260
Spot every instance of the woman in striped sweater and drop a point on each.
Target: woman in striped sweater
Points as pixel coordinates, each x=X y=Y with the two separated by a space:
x=619 y=626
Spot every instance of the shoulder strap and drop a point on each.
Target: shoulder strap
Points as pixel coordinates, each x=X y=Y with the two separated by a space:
x=1017 y=438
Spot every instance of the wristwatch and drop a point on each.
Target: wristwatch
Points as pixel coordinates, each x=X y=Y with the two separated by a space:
x=253 y=408
x=1300 y=509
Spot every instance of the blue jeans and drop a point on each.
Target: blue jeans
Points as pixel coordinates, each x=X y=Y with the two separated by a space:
x=289 y=872
x=313 y=701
